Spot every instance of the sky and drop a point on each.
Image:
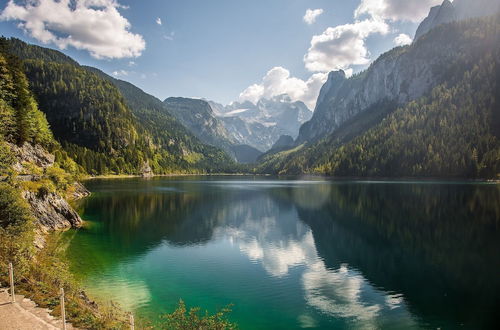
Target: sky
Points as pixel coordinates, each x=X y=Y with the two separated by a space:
x=222 y=50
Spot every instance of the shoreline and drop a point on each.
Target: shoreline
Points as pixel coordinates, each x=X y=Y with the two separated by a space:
x=302 y=177
x=129 y=176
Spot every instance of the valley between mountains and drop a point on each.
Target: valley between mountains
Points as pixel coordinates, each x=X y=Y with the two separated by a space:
x=427 y=110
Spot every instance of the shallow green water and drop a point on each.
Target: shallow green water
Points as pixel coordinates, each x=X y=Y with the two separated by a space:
x=291 y=254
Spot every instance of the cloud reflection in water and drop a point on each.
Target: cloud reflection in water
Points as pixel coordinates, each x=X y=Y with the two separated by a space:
x=340 y=293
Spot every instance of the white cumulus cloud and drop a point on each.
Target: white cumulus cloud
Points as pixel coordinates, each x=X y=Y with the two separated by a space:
x=396 y=10
x=402 y=40
x=93 y=25
x=342 y=46
x=311 y=15
x=158 y=21
x=278 y=81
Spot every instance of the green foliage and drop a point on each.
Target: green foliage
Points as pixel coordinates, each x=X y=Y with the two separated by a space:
x=16 y=229
x=21 y=119
x=6 y=158
x=33 y=52
x=452 y=132
x=40 y=275
x=446 y=134
x=13 y=209
x=182 y=319
x=59 y=177
x=101 y=130
x=8 y=122
x=176 y=146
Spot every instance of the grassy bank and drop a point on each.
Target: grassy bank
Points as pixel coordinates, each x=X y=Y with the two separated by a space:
x=39 y=274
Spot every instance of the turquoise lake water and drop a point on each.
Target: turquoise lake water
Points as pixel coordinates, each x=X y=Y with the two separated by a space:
x=295 y=253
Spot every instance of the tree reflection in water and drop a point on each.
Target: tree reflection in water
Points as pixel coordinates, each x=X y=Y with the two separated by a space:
x=371 y=254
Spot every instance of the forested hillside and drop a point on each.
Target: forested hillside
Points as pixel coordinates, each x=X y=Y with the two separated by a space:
x=197 y=115
x=453 y=131
x=21 y=120
x=99 y=128
x=165 y=129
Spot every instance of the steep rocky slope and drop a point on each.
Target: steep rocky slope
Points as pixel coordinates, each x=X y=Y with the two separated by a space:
x=200 y=119
x=29 y=170
x=198 y=116
x=394 y=79
x=457 y=10
x=452 y=129
x=51 y=210
x=260 y=125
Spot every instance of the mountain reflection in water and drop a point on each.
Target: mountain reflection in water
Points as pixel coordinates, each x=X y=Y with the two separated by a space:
x=292 y=254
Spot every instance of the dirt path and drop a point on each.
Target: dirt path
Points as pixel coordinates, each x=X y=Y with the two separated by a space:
x=24 y=314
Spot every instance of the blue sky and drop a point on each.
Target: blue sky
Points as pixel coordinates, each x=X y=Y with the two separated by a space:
x=217 y=49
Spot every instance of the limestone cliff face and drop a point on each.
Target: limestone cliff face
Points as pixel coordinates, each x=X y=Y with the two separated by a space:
x=457 y=10
x=78 y=192
x=33 y=154
x=400 y=76
x=397 y=77
x=52 y=211
x=198 y=117
x=438 y=15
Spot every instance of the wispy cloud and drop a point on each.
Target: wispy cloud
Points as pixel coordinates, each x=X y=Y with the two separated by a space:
x=158 y=21
x=121 y=73
x=169 y=36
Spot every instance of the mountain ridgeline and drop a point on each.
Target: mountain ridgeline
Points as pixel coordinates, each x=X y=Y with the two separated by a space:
x=109 y=126
x=244 y=130
x=429 y=109
x=260 y=125
x=199 y=118
x=455 y=11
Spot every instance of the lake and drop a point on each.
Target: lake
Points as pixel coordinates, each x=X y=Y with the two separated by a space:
x=288 y=254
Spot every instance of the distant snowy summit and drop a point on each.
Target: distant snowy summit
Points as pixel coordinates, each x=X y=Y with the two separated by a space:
x=260 y=125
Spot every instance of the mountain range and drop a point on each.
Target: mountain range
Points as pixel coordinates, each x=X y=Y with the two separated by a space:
x=404 y=116
x=244 y=130
x=260 y=125
x=426 y=109
x=109 y=126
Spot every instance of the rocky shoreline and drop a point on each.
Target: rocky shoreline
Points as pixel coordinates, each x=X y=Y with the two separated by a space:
x=51 y=210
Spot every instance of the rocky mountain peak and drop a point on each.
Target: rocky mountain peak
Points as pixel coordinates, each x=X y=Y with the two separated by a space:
x=335 y=79
x=457 y=10
x=285 y=141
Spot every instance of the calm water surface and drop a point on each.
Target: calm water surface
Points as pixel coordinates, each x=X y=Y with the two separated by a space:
x=295 y=254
